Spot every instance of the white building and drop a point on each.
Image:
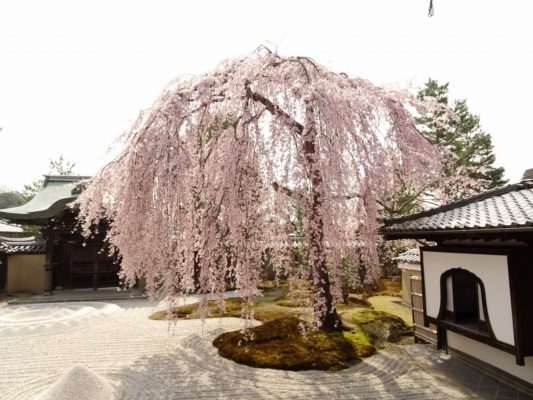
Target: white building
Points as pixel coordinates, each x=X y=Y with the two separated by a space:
x=477 y=280
x=7 y=230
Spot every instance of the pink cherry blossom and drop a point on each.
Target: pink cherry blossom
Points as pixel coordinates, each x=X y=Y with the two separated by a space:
x=213 y=174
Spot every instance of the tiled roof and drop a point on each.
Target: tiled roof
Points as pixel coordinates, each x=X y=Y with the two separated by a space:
x=503 y=208
x=6 y=228
x=411 y=256
x=57 y=192
x=21 y=245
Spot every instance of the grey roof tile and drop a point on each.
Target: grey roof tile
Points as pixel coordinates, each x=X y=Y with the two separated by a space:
x=506 y=207
x=21 y=245
x=411 y=256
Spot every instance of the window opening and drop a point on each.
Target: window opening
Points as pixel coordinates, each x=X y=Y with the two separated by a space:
x=463 y=301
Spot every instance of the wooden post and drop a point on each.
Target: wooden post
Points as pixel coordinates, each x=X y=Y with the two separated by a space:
x=3 y=273
x=48 y=265
x=95 y=271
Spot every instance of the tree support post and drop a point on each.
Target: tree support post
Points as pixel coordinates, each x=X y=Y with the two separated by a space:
x=48 y=266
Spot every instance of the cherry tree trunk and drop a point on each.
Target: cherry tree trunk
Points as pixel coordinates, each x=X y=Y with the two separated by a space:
x=325 y=314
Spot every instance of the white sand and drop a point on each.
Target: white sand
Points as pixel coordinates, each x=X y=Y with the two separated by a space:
x=34 y=319
x=150 y=361
x=79 y=383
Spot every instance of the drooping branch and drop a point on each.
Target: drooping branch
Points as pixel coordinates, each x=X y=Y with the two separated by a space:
x=275 y=110
x=210 y=176
x=398 y=210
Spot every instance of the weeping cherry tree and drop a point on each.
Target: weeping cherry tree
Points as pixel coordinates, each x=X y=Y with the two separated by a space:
x=211 y=174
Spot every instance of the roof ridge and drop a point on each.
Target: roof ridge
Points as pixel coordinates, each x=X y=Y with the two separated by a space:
x=68 y=176
x=64 y=178
x=20 y=240
x=31 y=245
x=499 y=191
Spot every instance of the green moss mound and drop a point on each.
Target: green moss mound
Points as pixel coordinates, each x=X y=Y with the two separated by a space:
x=380 y=326
x=299 y=296
x=265 y=309
x=279 y=344
x=362 y=342
x=352 y=301
x=364 y=316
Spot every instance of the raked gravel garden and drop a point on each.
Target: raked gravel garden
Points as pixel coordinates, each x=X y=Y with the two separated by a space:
x=113 y=348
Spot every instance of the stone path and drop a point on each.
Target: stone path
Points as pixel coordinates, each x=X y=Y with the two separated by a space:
x=72 y=295
x=152 y=360
x=462 y=373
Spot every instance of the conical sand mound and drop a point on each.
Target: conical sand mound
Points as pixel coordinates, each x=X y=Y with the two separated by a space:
x=79 y=383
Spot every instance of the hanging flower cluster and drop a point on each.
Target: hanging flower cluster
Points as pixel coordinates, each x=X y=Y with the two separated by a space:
x=213 y=175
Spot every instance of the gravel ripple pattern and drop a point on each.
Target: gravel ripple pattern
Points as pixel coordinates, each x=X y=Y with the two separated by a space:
x=156 y=360
x=34 y=319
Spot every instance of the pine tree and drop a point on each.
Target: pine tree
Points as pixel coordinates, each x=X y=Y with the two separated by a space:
x=10 y=198
x=470 y=169
x=61 y=167
x=461 y=133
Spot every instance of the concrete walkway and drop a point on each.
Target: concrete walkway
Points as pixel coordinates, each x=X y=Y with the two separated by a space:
x=67 y=295
x=154 y=360
x=462 y=373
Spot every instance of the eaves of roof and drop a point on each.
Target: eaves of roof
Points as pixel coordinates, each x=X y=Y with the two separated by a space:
x=51 y=200
x=507 y=209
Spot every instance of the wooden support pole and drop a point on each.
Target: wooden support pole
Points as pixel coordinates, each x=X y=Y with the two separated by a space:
x=3 y=273
x=95 y=270
x=48 y=265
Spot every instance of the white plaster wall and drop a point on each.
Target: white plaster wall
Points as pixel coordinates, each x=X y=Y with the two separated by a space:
x=449 y=294
x=491 y=269
x=409 y=266
x=480 y=301
x=492 y=356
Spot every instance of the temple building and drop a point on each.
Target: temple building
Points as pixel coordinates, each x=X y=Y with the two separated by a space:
x=478 y=277
x=64 y=259
x=8 y=230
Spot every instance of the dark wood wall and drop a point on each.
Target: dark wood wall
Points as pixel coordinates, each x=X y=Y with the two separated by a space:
x=3 y=272
x=80 y=262
x=521 y=285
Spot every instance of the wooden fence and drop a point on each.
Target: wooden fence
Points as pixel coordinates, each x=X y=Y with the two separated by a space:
x=417 y=300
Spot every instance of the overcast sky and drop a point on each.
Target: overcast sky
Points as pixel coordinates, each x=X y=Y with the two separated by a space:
x=74 y=75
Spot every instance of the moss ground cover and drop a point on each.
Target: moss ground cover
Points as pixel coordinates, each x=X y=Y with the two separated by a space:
x=278 y=343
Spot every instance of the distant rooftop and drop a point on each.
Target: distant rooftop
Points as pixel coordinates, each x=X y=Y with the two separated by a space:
x=21 y=245
x=411 y=256
x=6 y=228
x=63 y=178
x=57 y=192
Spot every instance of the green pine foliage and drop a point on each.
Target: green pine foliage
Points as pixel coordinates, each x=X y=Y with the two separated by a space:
x=472 y=156
x=60 y=166
x=462 y=135
x=10 y=198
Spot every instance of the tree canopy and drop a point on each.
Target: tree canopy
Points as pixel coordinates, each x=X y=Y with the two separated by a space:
x=461 y=133
x=212 y=173
x=10 y=198
x=60 y=166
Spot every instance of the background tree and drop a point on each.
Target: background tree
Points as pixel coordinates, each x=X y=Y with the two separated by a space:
x=10 y=198
x=60 y=166
x=461 y=133
x=468 y=169
x=222 y=161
